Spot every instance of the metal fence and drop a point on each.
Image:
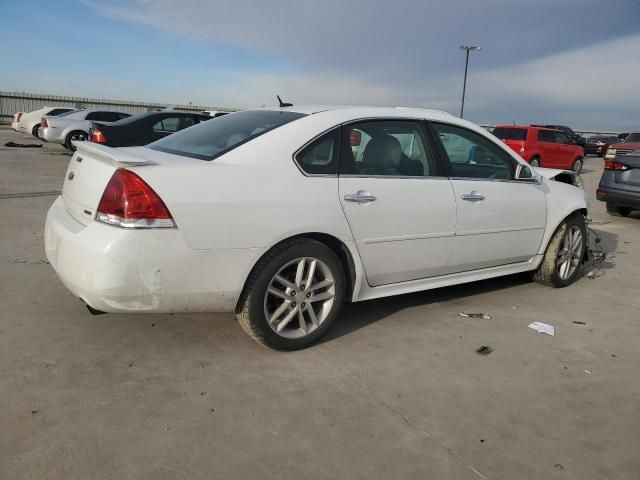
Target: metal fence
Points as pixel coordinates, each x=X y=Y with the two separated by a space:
x=11 y=102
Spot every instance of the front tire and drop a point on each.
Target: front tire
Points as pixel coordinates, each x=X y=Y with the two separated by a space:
x=293 y=295
x=577 y=165
x=562 y=260
x=535 y=162
x=617 y=211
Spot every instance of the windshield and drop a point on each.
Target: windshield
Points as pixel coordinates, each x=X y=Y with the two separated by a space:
x=211 y=139
x=510 y=133
x=633 y=137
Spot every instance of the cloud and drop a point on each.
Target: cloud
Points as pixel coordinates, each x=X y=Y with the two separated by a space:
x=539 y=62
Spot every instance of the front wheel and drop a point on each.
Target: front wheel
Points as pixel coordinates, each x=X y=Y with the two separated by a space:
x=293 y=295
x=577 y=165
x=535 y=162
x=562 y=261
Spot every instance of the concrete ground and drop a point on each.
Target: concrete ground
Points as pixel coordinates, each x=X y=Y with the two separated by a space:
x=395 y=391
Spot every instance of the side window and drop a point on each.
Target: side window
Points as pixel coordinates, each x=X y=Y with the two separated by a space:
x=386 y=148
x=321 y=156
x=471 y=155
x=187 y=122
x=167 y=125
x=546 y=136
x=561 y=137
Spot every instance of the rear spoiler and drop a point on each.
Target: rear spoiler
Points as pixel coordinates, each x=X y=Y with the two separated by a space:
x=112 y=155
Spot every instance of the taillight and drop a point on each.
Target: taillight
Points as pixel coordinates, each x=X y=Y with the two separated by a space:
x=129 y=202
x=18 y=117
x=96 y=136
x=355 y=138
x=44 y=123
x=611 y=165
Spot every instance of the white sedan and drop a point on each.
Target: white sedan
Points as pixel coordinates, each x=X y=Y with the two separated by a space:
x=282 y=215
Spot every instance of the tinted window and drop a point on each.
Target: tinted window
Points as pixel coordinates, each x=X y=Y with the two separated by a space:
x=207 y=140
x=561 y=137
x=58 y=111
x=102 y=116
x=321 y=156
x=546 y=136
x=167 y=125
x=386 y=148
x=472 y=155
x=633 y=137
x=510 y=133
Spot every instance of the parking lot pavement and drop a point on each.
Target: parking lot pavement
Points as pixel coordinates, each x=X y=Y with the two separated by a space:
x=395 y=391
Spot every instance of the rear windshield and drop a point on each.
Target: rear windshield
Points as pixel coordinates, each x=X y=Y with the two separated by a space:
x=633 y=137
x=510 y=133
x=211 y=139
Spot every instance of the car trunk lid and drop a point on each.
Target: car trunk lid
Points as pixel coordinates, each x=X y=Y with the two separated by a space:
x=629 y=174
x=88 y=173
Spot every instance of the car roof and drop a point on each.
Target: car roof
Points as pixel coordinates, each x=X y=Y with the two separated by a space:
x=375 y=111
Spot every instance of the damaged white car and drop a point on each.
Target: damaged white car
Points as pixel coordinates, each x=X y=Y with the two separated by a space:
x=282 y=215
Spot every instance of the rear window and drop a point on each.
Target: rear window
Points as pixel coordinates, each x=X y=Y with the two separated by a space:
x=510 y=133
x=60 y=111
x=211 y=139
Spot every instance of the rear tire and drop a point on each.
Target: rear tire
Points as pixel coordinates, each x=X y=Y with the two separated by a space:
x=617 y=211
x=562 y=262
x=75 y=136
x=300 y=314
x=35 y=130
x=535 y=162
x=577 y=165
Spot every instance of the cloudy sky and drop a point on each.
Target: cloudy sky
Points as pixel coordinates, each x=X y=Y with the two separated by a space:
x=565 y=61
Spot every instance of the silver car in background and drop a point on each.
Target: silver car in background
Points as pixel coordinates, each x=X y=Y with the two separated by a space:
x=74 y=126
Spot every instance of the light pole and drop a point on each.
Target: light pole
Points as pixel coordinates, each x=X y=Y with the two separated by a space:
x=467 y=49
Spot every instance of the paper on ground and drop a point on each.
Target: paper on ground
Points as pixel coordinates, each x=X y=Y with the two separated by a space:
x=543 y=328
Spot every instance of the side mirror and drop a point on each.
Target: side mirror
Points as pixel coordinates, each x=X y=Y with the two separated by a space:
x=525 y=173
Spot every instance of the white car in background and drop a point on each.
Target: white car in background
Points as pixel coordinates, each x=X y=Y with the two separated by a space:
x=282 y=215
x=15 y=120
x=74 y=126
x=29 y=122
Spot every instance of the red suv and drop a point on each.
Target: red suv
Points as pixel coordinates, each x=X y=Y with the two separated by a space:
x=542 y=147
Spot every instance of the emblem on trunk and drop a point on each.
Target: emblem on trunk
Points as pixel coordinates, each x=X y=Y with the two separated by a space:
x=71 y=175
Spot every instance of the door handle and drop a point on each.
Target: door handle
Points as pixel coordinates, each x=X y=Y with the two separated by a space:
x=472 y=197
x=359 y=197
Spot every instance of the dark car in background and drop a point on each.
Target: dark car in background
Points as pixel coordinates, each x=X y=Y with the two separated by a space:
x=143 y=128
x=573 y=136
x=598 y=144
x=620 y=184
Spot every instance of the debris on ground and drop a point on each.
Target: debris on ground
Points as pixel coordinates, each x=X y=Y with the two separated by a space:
x=23 y=145
x=542 y=327
x=579 y=322
x=486 y=316
x=597 y=258
x=484 y=350
x=590 y=372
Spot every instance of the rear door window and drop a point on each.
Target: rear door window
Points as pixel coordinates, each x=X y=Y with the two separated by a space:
x=167 y=125
x=546 y=136
x=390 y=148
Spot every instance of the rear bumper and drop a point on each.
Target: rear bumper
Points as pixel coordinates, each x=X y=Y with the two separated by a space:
x=615 y=196
x=49 y=134
x=138 y=271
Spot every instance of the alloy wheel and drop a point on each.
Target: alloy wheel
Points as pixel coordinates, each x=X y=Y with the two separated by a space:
x=299 y=297
x=570 y=253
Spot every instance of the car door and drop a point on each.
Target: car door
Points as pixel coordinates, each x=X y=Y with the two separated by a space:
x=566 y=151
x=547 y=145
x=399 y=206
x=500 y=220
